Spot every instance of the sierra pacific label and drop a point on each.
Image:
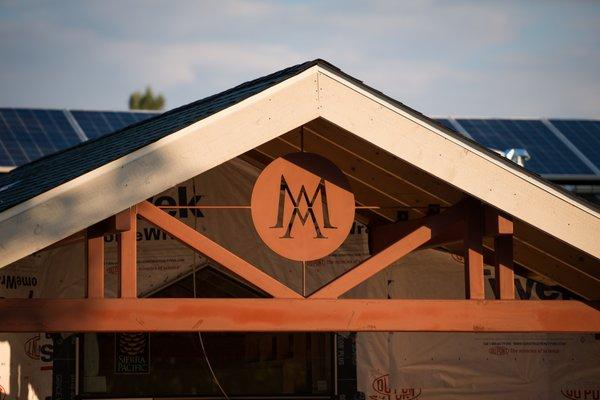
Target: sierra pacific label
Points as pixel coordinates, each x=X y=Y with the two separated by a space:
x=132 y=353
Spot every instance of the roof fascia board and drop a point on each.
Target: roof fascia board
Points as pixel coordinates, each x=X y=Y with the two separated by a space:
x=463 y=165
x=98 y=194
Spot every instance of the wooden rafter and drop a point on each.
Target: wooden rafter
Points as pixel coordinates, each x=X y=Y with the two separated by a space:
x=551 y=269
x=556 y=270
x=432 y=188
x=357 y=174
x=364 y=194
x=554 y=249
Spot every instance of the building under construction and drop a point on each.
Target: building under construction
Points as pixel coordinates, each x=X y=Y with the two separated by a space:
x=301 y=235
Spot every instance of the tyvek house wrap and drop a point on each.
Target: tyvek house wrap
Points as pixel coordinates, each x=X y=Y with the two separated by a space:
x=389 y=365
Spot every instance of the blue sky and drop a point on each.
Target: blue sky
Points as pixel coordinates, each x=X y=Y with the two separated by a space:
x=441 y=57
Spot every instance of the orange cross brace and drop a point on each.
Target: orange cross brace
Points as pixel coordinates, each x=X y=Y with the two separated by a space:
x=417 y=236
x=214 y=251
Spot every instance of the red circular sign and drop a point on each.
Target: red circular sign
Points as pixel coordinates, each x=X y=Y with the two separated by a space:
x=302 y=206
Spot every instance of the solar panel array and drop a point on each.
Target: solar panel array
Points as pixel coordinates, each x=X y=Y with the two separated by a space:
x=585 y=135
x=99 y=123
x=446 y=122
x=549 y=154
x=28 y=134
x=557 y=146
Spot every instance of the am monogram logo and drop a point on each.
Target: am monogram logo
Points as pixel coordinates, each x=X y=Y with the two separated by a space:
x=310 y=212
x=302 y=206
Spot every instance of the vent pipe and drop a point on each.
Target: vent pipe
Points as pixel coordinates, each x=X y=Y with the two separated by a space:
x=519 y=156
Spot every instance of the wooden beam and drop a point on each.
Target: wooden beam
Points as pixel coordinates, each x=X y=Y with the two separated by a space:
x=497 y=223
x=559 y=250
x=113 y=224
x=123 y=221
x=214 y=251
x=364 y=193
x=296 y=315
x=419 y=235
x=95 y=266
x=382 y=236
x=500 y=227
x=474 y=284
x=543 y=265
x=505 y=274
x=128 y=253
x=454 y=234
x=429 y=185
x=362 y=172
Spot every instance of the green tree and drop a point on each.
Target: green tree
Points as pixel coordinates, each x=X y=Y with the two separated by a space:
x=146 y=100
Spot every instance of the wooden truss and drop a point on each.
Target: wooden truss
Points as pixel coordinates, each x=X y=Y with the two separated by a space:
x=468 y=221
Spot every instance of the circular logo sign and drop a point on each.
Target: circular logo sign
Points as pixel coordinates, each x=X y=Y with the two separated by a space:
x=302 y=206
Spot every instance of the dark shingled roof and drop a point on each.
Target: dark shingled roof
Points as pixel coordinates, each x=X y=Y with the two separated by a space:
x=37 y=177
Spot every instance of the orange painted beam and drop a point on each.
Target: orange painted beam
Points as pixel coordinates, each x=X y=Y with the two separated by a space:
x=95 y=266
x=500 y=226
x=122 y=220
x=497 y=223
x=505 y=274
x=114 y=224
x=296 y=315
x=383 y=236
x=214 y=251
x=418 y=234
x=474 y=284
x=128 y=253
x=374 y=264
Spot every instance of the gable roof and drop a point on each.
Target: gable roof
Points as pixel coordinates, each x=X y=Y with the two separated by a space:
x=43 y=174
x=104 y=176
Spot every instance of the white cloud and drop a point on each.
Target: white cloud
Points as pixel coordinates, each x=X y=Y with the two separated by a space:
x=441 y=57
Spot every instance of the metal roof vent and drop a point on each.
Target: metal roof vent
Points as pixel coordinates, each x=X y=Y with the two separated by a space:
x=519 y=156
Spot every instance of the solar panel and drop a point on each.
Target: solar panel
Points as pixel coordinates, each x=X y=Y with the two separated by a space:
x=28 y=134
x=584 y=134
x=99 y=123
x=549 y=155
x=446 y=122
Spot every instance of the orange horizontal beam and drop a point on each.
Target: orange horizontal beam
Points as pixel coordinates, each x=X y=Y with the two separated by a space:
x=296 y=315
x=214 y=251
